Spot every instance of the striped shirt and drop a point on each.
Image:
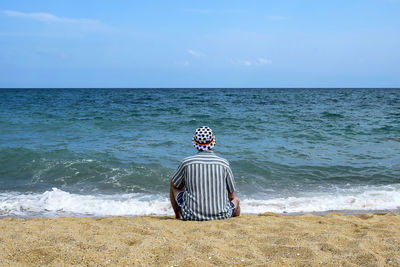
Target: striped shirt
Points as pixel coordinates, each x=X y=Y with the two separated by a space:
x=207 y=180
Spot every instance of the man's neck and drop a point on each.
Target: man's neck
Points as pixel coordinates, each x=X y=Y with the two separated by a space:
x=205 y=151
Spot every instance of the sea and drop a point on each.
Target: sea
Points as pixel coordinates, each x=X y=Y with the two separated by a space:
x=112 y=152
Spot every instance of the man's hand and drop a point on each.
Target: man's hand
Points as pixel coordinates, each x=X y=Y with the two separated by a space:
x=173 y=193
x=235 y=200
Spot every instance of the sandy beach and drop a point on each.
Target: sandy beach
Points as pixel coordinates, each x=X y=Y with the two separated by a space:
x=267 y=239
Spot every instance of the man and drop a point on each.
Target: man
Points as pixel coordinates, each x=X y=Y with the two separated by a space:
x=203 y=187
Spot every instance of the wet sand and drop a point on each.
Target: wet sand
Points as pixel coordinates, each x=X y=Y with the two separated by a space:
x=268 y=239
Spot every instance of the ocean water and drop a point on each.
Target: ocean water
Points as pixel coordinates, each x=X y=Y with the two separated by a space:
x=104 y=152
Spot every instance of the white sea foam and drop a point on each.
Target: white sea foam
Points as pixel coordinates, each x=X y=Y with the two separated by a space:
x=55 y=203
x=60 y=203
x=356 y=199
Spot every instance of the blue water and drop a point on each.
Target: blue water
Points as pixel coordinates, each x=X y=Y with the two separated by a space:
x=113 y=151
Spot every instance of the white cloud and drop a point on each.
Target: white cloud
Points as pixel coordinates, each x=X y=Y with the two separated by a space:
x=49 y=18
x=246 y=63
x=195 y=53
x=263 y=61
x=184 y=63
x=252 y=63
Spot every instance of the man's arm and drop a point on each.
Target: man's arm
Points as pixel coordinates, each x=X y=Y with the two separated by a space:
x=177 y=188
x=176 y=185
x=235 y=201
x=231 y=191
x=172 y=194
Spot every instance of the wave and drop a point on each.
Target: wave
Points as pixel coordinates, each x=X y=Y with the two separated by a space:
x=57 y=203
x=29 y=170
x=327 y=114
x=356 y=199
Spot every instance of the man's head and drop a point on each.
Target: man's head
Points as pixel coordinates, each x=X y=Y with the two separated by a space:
x=203 y=139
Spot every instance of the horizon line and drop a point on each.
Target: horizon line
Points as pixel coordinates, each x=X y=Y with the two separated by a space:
x=313 y=87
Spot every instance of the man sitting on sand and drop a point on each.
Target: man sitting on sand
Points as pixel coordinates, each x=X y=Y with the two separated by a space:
x=203 y=186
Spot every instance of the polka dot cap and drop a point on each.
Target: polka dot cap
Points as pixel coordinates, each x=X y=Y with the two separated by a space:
x=203 y=138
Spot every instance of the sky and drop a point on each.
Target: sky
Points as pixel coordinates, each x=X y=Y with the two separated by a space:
x=102 y=44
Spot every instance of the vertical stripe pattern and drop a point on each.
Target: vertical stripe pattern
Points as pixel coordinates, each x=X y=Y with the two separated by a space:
x=207 y=180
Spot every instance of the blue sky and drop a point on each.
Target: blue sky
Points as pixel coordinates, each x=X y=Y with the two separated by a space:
x=69 y=43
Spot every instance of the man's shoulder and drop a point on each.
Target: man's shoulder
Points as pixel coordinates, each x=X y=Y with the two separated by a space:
x=205 y=158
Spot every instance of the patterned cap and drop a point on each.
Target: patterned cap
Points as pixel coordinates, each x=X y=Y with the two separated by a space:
x=203 y=139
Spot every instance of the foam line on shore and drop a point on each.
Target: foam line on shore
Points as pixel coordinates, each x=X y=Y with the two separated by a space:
x=56 y=203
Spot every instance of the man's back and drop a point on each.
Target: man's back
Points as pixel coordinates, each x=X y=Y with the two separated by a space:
x=207 y=180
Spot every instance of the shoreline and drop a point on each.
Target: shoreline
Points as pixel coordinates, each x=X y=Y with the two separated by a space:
x=55 y=202
x=264 y=239
x=343 y=212
x=320 y=213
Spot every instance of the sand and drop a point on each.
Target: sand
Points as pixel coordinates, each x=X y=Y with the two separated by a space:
x=249 y=240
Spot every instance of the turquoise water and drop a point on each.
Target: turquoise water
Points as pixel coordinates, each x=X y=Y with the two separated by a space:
x=291 y=150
